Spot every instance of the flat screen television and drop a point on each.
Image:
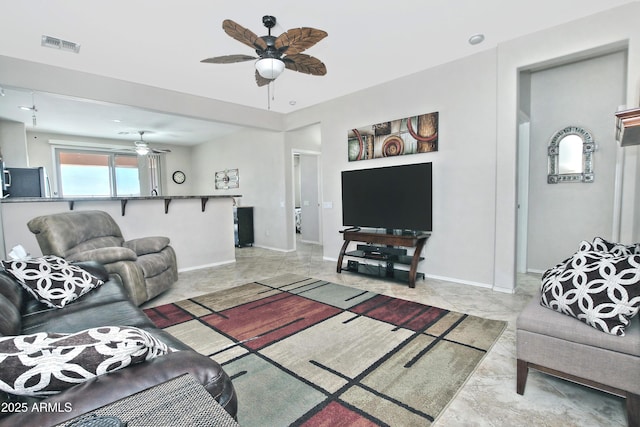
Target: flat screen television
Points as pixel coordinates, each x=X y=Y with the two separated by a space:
x=394 y=197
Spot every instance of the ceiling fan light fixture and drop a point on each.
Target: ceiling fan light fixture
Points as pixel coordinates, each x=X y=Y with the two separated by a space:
x=269 y=68
x=142 y=150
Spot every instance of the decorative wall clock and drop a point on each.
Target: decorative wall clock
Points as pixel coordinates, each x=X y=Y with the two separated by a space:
x=179 y=177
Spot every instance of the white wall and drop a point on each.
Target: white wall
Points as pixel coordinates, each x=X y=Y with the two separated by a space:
x=260 y=159
x=13 y=144
x=463 y=92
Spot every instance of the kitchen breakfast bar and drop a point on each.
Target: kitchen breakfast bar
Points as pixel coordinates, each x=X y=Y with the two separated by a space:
x=200 y=227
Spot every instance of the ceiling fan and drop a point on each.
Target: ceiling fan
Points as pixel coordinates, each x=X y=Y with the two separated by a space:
x=142 y=148
x=274 y=53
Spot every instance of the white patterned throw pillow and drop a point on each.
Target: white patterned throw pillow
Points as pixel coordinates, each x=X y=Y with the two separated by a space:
x=602 y=245
x=51 y=279
x=43 y=364
x=598 y=287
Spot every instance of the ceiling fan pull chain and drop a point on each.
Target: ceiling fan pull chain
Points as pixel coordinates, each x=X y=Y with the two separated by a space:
x=270 y=93
x=269 y=96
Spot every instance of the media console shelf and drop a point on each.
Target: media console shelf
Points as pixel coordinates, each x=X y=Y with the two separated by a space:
x=391 y=252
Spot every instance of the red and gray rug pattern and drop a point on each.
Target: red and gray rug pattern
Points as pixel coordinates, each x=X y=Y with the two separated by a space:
x=307 y=352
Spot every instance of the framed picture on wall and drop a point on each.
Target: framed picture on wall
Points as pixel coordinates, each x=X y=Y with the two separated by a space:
x=411 y=135
x=228 y=178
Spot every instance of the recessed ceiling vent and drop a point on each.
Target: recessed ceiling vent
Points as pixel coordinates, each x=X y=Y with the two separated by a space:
x=55 y=43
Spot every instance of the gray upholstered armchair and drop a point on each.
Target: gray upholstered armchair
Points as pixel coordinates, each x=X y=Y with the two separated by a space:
x=147 y=266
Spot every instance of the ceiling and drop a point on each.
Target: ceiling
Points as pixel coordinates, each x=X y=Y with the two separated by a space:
x=160 y=43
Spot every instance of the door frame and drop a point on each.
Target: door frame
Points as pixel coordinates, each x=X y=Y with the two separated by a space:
x=318 y=156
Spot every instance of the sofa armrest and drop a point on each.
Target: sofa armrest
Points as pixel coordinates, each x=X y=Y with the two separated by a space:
x=147 y=245
x=105 y=255
x=106 y=389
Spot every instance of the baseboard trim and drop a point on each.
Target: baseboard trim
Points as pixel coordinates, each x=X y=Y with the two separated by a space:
x=273 y=249
x=452 y=280
x=311 y=242
x=461 y=281
x=200 y=267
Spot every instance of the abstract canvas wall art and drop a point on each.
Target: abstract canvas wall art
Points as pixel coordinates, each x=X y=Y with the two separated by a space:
x=411 y=135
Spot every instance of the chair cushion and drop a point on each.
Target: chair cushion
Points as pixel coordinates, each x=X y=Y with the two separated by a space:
x=45 y=363
x=105 y=255
x=601 y=289
x=95 y=243
x=539 y=320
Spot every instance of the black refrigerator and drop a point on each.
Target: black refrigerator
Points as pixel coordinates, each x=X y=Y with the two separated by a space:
x=26 y=182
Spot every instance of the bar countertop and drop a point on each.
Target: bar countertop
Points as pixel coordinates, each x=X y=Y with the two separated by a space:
x=123 y=200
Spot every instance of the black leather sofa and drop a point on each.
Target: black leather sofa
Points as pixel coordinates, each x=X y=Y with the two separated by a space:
x=107 y=305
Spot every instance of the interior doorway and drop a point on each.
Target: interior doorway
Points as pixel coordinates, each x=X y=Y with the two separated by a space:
x=554 y=217
x=306 y=197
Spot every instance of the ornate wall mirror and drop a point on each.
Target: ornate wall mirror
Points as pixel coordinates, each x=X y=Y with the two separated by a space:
x=571 y=156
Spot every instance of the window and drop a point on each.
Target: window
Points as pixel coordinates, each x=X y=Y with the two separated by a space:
x=127 y=176
x=98 y=174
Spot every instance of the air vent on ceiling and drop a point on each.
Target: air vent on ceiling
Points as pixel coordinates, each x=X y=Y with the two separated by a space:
x=55 y=43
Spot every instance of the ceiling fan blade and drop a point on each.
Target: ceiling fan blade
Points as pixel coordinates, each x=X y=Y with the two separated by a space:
x=228 y=59
x=305 y=64
x=261 y=81
x=160 y=150
x=297 y=40
x=243 y=35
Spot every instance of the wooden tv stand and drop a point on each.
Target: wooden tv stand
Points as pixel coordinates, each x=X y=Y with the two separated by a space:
x=388 y=253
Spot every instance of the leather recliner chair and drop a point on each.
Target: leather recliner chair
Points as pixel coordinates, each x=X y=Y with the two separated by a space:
x=147 y=266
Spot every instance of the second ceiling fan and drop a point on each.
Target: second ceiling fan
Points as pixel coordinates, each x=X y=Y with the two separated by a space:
x=274 y=53
x=141 y=147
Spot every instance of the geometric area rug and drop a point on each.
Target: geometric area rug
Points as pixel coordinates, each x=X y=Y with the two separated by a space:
x=307 y=352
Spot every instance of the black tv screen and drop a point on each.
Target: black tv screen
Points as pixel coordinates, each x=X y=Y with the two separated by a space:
x=394 y=197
